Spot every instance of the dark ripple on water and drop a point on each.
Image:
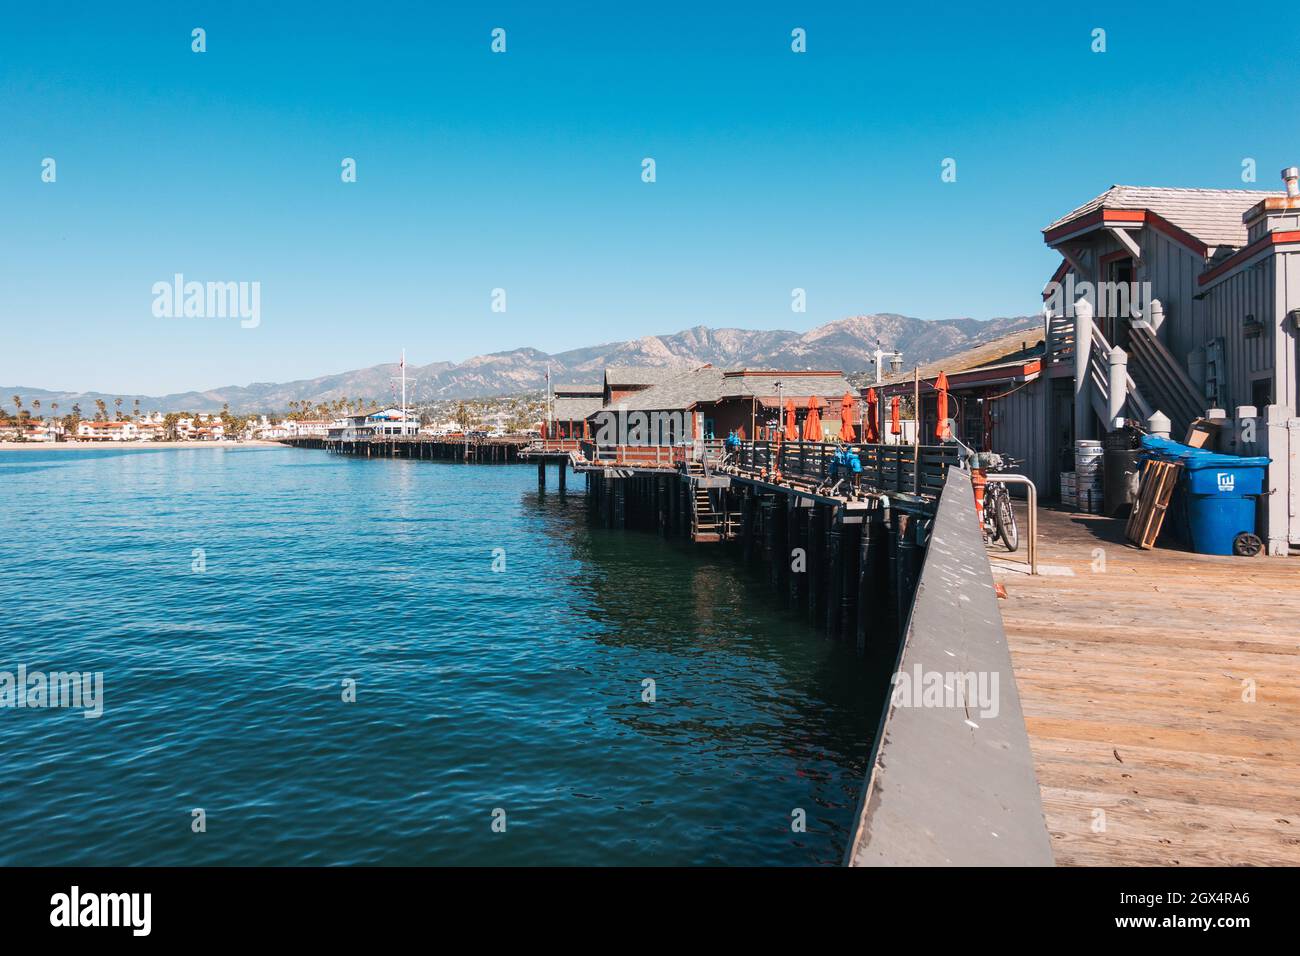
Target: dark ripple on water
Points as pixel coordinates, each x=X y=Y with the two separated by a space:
x=475 y=690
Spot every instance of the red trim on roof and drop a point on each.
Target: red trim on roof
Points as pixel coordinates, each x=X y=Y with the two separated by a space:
x=1249 y=252
x=1160 y=224
x=1057 y=276
x=1100 y=218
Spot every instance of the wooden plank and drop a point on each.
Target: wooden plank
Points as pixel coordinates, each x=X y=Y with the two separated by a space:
x=1160 y=698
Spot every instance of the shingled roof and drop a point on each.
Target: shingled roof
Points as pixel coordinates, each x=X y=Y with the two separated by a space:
x=1014 y=347
x=798 y=386
x=570 y=390
x=624 y=376
x=679 y=392
x=1213 y=216
x=575 y=409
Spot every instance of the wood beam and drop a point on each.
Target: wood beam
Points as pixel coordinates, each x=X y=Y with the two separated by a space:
x=1124 y=239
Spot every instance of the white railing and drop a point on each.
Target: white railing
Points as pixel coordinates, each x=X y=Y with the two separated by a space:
x=1099 y=373
x=1060 y=340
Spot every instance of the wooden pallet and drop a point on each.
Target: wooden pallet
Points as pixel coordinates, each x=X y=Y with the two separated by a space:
x=1157 y=487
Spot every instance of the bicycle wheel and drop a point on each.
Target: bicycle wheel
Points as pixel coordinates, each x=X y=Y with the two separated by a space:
x=1005 y=520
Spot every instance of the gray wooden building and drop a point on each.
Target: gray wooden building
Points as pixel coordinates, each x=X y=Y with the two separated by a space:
x=1181 y=304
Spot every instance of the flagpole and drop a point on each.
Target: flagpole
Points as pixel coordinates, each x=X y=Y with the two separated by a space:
x=403 y=392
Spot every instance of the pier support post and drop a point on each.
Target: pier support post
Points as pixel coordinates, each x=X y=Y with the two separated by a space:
x=541 y=473
x=795 y=579
x=835 y=576
x=850 y=551
x=870 y=528
x=563 y=468
x=747 y=527
x=816 y=562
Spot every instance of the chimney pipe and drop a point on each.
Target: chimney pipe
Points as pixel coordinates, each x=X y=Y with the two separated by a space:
x=1291 y=176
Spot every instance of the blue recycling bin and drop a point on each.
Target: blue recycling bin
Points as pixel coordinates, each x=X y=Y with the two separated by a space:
x=1219 y=495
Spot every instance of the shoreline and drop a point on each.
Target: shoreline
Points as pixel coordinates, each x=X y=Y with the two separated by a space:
x=69 y=445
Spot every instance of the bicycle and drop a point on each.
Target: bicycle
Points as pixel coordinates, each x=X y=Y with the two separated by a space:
x=998 y=514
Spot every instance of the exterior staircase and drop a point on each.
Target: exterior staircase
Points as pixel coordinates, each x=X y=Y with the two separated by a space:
x=1163 y=379
x=1155 y=381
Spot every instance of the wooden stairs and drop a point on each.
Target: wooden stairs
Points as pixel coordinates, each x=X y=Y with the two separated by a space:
x=707 y=523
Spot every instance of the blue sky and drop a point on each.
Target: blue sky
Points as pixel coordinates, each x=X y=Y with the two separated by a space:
x=522 y=171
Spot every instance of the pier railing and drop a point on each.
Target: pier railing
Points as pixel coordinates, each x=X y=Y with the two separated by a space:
x=951 y=781
x=657 y=457
x=902 y=468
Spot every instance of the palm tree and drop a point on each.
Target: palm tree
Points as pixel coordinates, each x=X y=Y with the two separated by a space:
x=36 y=406
x=102 y=410
x=137 y=408
x=118 y=403
x=18 y=404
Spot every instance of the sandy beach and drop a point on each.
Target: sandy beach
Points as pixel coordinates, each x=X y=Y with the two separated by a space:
x=67 y=445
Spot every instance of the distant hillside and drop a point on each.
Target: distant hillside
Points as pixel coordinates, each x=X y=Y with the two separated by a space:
x=847 y=345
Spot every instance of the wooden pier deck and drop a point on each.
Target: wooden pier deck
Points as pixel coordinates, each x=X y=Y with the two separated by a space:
x=1131 y=680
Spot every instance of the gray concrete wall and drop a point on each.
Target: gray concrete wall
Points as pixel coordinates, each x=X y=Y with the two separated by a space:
x=952 y=784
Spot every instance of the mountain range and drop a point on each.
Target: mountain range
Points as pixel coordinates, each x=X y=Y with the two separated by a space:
x=847 y=344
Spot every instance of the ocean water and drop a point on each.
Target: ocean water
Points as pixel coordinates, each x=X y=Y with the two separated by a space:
x=227 y=594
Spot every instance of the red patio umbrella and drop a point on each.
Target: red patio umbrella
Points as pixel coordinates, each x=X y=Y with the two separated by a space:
x=941 y=429
x=846 y=418
x=812 y=427
x=895 y=428
x=586 y=429
x=791 y=428
x=870 y=429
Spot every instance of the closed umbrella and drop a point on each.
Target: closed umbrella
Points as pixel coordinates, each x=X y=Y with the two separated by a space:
x=941 y=429
x=586 y=429
x=870 y=429
x=812 y=428
x=791 y=428
x=895 y=427
x=846 y=419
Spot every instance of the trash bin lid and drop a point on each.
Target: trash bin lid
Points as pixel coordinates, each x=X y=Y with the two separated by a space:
x=1195 y=458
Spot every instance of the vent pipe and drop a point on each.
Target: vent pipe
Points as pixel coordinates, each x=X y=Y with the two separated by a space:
x=1291 y=176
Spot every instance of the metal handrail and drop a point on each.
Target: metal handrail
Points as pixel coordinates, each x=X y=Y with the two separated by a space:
x=1032 y=550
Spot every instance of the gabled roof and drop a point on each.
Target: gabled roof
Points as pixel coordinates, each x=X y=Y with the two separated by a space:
x=680 y=392
x=1213 y=216
x=624 y=376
